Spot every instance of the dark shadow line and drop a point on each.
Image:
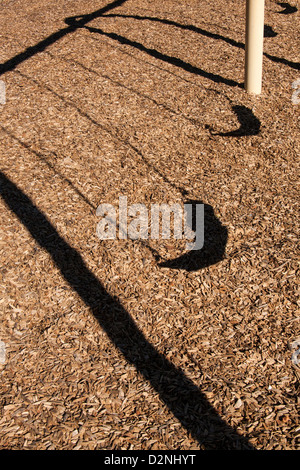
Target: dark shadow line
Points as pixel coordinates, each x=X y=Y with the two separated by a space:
x=281 y=60
x=166 y=58
x=203 y=32
x=31 y=51
x=12 y=63
x=164 y=70
x=119 y=326
x=188 y=27
x=182 y=397
x=81 y=21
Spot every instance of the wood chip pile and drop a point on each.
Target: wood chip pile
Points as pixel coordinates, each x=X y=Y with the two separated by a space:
x=138 y=344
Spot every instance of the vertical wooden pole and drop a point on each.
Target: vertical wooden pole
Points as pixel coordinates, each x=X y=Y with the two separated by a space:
x=254 y=45
x=2 y=92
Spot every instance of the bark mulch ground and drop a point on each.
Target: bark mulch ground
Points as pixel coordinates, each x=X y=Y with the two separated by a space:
x=139 y=344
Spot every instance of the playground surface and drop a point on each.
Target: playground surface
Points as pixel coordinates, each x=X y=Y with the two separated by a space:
x=136 y=344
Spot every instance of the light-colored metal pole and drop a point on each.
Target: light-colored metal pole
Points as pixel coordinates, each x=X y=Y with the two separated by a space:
x=254 y=45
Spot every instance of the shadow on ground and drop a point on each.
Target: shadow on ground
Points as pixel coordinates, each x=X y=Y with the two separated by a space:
x=182 y=397
x=268 y=33
x=81 y=21
x=249 y=123
x=215 y=239
x=287 y=8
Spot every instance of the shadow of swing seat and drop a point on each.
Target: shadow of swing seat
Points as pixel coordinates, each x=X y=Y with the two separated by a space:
x=213 y=250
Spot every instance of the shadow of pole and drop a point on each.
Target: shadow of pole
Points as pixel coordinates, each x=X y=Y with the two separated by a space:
x=182 y=397
x=12 y=63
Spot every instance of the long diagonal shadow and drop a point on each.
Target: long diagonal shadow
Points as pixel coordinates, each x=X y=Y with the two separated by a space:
x=12 y=63
x=166 y=58
x=180 y=394
x=204 y=32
